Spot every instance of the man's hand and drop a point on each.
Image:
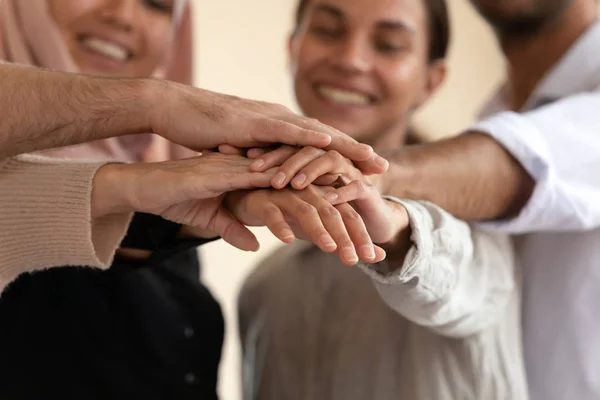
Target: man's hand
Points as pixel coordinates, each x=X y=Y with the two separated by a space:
x=201 y=119
x=289 y=213
x=189 y=192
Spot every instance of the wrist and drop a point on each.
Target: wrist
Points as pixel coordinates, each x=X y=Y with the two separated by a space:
x=400 y=243
x=109 y=191
x=401 y=177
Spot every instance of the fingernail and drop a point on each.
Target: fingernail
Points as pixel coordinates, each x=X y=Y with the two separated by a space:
x=279 y=179
x=257 y=164
x=299 y=180
x=382 y=162
x=349 y=255
x=368 y=251
x=328 y=242
x=287 y=234
x=331 y=197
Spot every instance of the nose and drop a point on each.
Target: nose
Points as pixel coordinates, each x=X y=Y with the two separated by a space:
x=121 y=13
x=353 y=55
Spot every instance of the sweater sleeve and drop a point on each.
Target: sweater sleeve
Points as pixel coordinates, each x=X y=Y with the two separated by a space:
x=45 y=217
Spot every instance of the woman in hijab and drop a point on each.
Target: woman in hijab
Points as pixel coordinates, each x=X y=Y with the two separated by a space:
x=145 y=328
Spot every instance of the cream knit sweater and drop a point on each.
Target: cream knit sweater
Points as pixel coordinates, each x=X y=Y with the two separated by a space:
x=45 y=217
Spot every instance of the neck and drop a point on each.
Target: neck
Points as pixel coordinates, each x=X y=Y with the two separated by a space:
x=530 y=58
x=391 y=139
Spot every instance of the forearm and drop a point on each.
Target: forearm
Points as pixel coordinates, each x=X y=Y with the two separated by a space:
x=471 y=176
x=43 y=109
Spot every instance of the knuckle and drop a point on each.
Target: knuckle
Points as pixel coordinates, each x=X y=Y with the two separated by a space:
x=335 y=156
x=305 y=209
x=351 y=215
x=328 y=211
x=361 y=187
x=270 y=211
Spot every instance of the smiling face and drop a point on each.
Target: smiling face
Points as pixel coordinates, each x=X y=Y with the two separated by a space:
x=363 y=66
x=118 y=38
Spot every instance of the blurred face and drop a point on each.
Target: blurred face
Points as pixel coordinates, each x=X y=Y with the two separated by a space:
x=520 y=16
x=361 y=66
x=120 y=38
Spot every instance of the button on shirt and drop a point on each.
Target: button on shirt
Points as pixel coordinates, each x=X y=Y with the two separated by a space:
x=557 y=139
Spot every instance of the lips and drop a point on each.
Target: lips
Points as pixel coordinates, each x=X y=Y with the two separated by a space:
x=106 y=48
x=345 y=97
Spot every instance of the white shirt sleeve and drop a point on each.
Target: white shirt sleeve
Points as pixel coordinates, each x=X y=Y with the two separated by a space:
x=456 y=281
x=559 y=145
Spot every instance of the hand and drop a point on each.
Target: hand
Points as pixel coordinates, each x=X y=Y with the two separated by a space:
x=304 y=166
x=189 y=192
x=289 y=213
x=387 y=222
x=201 y=119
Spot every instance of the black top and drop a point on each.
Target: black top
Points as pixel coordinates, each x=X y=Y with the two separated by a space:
x=135 y=331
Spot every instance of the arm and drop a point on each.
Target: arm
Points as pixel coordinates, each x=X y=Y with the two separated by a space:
x=59 y=212
x=45 y=109
x=455 y=280
x=45 y=217
x=539 y=167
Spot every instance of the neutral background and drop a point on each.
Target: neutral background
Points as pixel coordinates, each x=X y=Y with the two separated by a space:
x=241 y=49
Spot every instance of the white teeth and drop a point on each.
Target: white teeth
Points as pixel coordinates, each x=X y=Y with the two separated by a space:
x=342 y=96
x=108 y=49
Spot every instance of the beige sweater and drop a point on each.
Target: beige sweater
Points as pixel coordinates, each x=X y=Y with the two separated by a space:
x=45 y=217
x=446 y=325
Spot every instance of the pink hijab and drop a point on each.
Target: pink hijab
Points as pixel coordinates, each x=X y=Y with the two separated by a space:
x=28 y=35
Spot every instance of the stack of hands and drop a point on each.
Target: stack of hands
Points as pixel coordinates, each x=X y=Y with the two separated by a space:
x=316 y=184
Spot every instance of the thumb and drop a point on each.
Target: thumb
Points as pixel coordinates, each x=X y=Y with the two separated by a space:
x=234 y=232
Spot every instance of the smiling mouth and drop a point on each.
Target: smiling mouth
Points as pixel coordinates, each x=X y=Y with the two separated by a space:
x=343 y=96
x=111 y=50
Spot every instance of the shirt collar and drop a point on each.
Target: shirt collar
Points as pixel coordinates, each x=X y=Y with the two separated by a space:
x=577 y=71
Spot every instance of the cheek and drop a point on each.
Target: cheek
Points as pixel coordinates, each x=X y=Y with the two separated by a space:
x=66 y=12
x=158 y=41
x=403 y=83
x=310 y=54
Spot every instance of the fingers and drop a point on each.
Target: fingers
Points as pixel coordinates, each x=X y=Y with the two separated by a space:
x=233 y=232
x=375 y=165
x=223 y=182
x=380 y=254
x=332 y=163
x=273 y=158
x=289 y=130
x=307 y=217
x=300 y=131
x=359 y=236
x=275 y=221
x=293 y=165
x=231 y=150
x=256 y=152
x=355 y=190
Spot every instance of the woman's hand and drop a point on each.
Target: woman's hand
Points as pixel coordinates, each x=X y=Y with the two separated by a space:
x=290 y=213
x=189 y=192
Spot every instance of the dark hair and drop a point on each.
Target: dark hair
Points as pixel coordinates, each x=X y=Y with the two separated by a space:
x=439 y=26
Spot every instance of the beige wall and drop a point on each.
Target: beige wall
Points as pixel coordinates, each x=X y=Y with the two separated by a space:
x=241 y=50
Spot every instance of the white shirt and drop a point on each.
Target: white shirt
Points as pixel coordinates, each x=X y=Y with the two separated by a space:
x=559 y=145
